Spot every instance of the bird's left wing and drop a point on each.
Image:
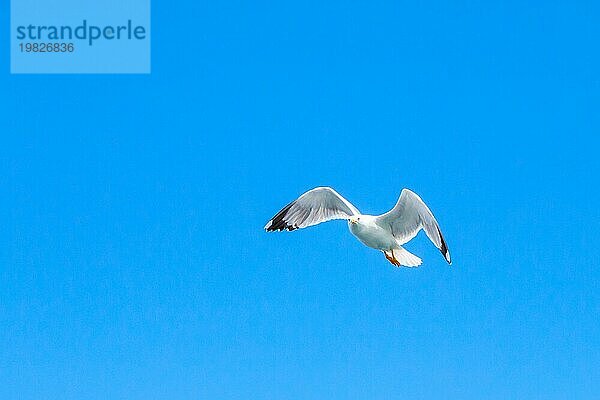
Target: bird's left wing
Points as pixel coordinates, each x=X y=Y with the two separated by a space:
x=313 y=207
x=408 y=217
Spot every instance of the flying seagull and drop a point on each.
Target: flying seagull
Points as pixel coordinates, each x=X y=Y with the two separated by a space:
x=386 y=232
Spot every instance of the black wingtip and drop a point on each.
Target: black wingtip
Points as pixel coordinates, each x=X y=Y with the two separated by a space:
x=278 y=223
x=444 y=248
x=286 y=228
x=447 y=257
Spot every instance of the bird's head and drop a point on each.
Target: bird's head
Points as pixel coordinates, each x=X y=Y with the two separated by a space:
x=354 y=220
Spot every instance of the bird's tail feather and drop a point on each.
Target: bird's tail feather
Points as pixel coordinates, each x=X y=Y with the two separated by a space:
x=406 y=258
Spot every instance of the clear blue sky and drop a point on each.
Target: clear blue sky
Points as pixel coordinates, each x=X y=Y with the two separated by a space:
x=133 y=263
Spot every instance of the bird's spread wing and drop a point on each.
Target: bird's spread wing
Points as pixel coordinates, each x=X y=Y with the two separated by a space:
x=408 y=217
x=313 y=207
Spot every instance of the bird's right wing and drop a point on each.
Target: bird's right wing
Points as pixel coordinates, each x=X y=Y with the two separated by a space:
x=408 y=217
x=313 y=207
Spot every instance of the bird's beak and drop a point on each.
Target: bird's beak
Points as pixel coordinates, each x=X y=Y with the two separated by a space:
x=353 y=220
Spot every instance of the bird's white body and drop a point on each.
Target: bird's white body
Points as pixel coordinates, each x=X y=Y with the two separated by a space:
x=371 y=234
x=386 y=232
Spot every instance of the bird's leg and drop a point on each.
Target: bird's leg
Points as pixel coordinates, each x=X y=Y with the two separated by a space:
x=391 y=259
x=387 y=257
x=395 y=259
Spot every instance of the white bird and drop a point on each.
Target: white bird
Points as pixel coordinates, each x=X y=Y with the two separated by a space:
x=386 y=232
